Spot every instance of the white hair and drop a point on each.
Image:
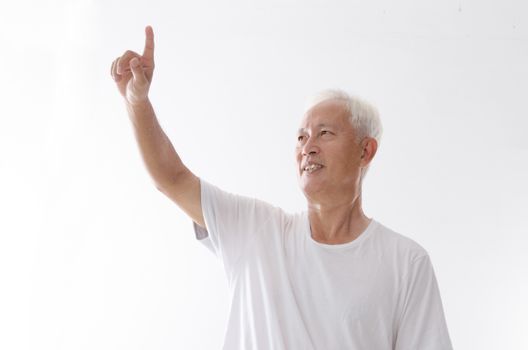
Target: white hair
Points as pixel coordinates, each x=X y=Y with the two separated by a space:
x=363 y=116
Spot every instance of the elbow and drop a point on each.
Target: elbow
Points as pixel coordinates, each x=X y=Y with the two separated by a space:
x=176 y=181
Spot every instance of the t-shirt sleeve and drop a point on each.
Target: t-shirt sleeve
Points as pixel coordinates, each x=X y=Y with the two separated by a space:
x=422 y=323
x=231 y=221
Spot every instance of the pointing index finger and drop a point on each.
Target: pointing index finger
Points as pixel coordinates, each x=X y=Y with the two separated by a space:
x=148 y=52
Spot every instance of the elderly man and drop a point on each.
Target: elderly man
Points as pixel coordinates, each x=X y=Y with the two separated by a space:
x=326 y=278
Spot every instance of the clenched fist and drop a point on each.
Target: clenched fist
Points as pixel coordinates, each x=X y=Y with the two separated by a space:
x=133 y=72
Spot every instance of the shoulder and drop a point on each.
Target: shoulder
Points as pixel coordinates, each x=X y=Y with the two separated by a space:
x=241 y=207
x=399 y=245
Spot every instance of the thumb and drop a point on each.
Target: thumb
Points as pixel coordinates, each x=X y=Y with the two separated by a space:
x=137 y=72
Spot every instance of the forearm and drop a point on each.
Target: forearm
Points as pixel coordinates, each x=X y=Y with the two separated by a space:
x=157 y=151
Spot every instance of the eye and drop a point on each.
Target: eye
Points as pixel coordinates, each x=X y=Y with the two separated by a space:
x=324 y=132
x=300 y=138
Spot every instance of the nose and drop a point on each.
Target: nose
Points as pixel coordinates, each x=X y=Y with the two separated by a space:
x=310 y=147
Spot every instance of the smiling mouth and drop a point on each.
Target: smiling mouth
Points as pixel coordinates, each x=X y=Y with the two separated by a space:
x=311 y=168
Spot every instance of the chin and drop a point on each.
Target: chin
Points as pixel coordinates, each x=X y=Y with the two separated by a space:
x=310 y=187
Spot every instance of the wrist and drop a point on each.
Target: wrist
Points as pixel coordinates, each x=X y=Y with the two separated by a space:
x=138 y=106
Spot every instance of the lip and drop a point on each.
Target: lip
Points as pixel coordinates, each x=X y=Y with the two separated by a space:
x=311 y=163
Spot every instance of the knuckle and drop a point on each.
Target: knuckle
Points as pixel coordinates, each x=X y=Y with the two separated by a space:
x=129 y=54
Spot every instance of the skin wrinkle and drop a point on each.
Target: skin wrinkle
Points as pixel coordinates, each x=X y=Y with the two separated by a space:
x=333 y=192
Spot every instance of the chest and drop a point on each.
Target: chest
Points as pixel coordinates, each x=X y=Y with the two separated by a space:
x=343 y=286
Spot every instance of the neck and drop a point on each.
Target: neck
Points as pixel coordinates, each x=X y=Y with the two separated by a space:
x=337 y=221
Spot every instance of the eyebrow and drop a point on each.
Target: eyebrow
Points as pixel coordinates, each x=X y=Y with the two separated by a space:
x=322 y=125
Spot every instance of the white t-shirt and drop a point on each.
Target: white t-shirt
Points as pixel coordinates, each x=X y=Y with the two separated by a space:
x=290 y=292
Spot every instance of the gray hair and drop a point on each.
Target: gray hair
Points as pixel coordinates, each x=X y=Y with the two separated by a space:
x=363 y=116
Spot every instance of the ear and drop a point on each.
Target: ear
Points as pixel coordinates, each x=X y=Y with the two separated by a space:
x=369 y=147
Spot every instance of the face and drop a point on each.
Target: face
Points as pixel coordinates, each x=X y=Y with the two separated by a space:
x=326 y=144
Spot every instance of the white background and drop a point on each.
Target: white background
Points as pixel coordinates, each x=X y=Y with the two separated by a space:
x=92 y=256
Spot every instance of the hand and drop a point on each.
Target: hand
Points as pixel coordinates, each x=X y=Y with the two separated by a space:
x=133 y=72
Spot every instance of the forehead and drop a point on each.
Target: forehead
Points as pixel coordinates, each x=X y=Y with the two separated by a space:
x=330 y=112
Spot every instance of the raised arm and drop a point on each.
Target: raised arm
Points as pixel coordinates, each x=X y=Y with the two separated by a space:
x=132 y=74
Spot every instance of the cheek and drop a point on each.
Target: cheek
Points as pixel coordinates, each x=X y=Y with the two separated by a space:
x=297 y=153
x=348 y=163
